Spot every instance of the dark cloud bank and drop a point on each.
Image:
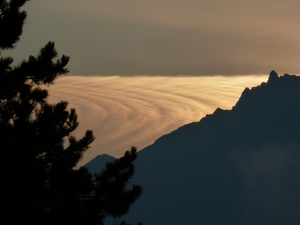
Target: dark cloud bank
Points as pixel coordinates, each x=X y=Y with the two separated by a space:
x=239 y=166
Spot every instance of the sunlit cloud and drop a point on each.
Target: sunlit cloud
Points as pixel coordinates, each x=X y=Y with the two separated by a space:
x=135 y=111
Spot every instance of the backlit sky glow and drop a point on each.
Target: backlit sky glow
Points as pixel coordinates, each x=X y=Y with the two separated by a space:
x=153 y=59
x=135 y=111
x=170 y=37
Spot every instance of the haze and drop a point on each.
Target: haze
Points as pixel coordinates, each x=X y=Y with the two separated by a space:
x=175 y=37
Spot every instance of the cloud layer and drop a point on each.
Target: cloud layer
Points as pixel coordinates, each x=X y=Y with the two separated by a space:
x=167 y=37
x=135 y=111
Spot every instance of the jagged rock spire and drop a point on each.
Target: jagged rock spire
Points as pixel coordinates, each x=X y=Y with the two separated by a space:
x=273 y=76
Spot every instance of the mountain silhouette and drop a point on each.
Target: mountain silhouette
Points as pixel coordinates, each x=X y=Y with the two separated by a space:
x=95 y=164
x=237 y=167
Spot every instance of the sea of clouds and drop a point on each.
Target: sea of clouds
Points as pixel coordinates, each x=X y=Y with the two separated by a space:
x=135 y=111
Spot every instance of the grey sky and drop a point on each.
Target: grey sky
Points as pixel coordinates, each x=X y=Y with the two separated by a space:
x=143 y=37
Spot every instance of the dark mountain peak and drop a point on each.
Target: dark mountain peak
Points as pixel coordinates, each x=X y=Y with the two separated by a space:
x=273 y=77
x=239 y=166
x=256 y=117
x=98 y=163
x=103 y=156
x=279 y=90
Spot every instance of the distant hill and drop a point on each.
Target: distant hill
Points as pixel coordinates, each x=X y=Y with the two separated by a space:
x=97 y=164
x=237 y=167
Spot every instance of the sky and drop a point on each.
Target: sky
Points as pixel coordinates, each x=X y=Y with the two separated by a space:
x=140 y=69
x=170 y=37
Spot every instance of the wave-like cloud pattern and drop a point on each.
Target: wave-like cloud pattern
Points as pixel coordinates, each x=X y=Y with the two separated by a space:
x=135 y=111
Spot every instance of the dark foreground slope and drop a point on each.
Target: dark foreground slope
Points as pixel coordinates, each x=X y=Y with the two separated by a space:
x=239 y=166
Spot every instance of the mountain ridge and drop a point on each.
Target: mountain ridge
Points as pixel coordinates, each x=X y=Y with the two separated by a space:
x=238 y=166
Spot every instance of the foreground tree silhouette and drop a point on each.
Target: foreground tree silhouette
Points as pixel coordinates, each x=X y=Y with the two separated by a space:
x=41 y=182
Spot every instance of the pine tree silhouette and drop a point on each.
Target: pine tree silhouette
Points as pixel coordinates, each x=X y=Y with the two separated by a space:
x=41 y=182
